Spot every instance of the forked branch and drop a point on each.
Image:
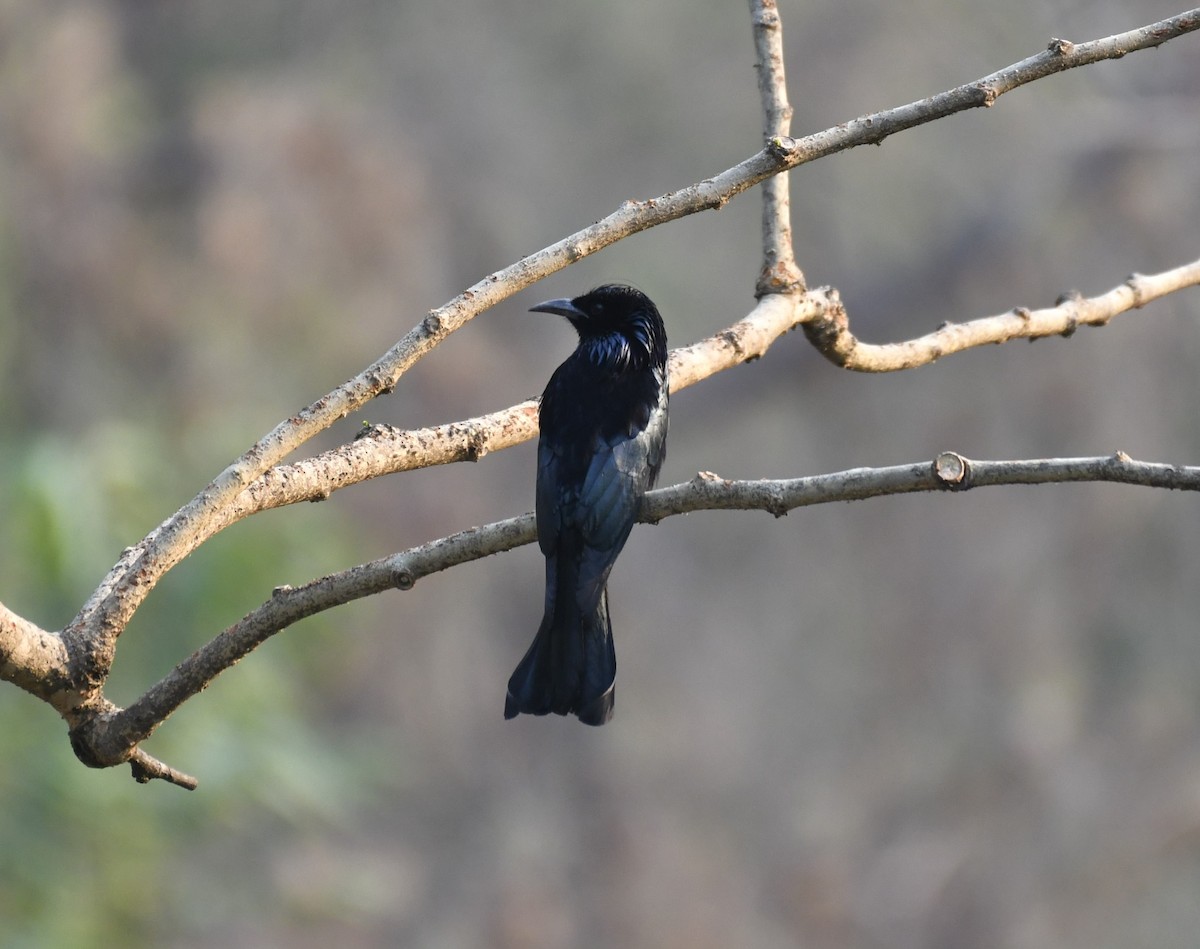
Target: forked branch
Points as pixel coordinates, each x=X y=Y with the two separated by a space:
x=69 y=671
x=109 y=609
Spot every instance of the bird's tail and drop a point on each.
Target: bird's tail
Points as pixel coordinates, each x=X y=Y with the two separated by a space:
x=571 y=668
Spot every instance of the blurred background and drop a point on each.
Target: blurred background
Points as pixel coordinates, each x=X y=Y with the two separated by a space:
x=968 y=720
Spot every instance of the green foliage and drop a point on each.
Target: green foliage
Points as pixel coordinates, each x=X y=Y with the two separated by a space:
x=96 y=842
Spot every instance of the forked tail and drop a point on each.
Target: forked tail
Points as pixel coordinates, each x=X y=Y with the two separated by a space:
x=571 y=667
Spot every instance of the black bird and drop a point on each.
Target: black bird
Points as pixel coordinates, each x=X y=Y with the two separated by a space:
x=603 y=420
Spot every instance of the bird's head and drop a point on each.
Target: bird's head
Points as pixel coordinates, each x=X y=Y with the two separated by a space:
x=617 y=325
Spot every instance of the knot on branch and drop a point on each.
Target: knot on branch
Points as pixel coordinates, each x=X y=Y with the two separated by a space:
x=779 y=276
x=87 y=748
x=1134 y=283
x=477 y=443
x=374 y=430
x=781 y=147
x=985 y=94
x=830 y=332
x=97 y=740
x=952 y=471
x=776 y=503
x=733 y=339
x=433 y=324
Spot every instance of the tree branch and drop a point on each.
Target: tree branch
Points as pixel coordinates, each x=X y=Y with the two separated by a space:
x=288 y=605
x=32 y=658
x=1059 y=56
x=91 y=636
x=384 y=450
x=949 y=471
x=93 y=743
x=830 y=332
x=69 y=671
x=147 y=768
x=780 y=274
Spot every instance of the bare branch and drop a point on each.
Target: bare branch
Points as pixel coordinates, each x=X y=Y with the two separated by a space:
x=386 y=451
x=948 y=471
x=32 y=658
x=69 y=671
x=1059 y=56
x=830 y=332
x=288 y=605
x=92 y=740
x=779 y=271
x=382 y=450
x=92 y=634
x=706 y=491
x=147 y=768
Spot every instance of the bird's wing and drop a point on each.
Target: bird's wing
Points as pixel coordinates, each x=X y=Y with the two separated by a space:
x=589 y=489
x=623 y=467
x=611 y=491
x=549 y=507
x=595 y=513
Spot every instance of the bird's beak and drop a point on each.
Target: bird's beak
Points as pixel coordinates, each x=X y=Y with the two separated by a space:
x=561 y=306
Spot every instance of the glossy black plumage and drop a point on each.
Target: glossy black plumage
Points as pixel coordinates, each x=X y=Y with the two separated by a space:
x=603 y=420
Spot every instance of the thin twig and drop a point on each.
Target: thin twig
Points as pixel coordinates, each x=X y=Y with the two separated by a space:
x=148 y=768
